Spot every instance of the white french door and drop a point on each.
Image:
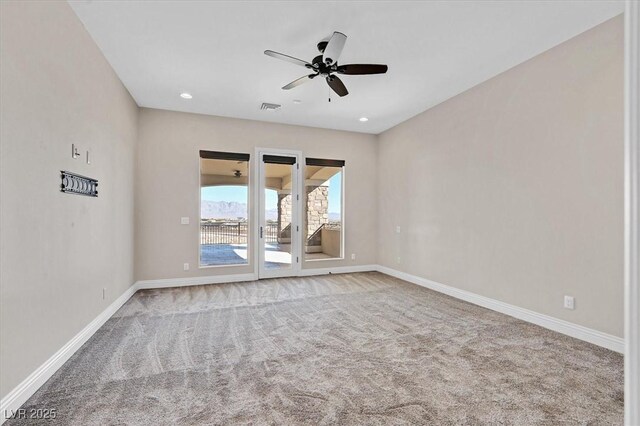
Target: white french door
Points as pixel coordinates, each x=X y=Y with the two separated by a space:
x=278 y=236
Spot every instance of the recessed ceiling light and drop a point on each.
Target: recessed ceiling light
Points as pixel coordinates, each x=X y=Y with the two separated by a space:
x=185 y=95
x=363 y=119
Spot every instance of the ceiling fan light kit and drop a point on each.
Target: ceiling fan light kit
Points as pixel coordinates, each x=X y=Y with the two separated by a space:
x=326 y=65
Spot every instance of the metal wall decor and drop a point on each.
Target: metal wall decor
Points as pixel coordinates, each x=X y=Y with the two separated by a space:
x=77 y=184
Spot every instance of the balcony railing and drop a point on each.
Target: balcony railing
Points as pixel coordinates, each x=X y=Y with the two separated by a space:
x=233 y=232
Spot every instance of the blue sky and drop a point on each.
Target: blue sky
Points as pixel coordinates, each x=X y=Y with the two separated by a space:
x=334 y=193
x=239 y=194
x=225 y=193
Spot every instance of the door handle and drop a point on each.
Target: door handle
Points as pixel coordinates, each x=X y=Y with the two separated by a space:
x=261 y=232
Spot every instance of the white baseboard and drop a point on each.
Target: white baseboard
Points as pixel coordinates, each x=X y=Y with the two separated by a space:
x=338 y=270
x=599 y=338
x=21 y=393
x=189 y=281
x=31 y=384
x=233 y=278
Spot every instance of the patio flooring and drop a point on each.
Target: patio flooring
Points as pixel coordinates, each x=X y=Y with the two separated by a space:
x=278 y=256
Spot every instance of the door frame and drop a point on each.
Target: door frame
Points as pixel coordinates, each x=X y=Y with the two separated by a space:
x=296 y=203
x=632 y=213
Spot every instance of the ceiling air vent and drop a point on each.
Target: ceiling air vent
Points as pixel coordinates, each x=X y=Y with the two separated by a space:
x=270 y=107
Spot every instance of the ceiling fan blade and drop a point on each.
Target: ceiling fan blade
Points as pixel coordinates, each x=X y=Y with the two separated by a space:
x=337 y=85
x=298 y=82
x=334 y=48
x=360 y=69
x=287 y=58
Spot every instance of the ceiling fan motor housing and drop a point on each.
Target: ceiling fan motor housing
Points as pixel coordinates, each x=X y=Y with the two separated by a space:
x=322 y=45
x=321 y=68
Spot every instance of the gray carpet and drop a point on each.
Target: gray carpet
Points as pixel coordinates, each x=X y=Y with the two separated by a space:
x=338 y=349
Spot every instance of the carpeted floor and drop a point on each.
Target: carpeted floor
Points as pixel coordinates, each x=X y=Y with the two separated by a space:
x=338 y=349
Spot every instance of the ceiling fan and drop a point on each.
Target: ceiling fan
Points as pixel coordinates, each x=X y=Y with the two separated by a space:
x=326 y=65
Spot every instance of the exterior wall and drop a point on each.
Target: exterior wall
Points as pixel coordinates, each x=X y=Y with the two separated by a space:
x=331 y=242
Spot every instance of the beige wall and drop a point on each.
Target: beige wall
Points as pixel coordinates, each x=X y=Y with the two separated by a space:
x=167 y=185
x=514 y=189
x=58 y=251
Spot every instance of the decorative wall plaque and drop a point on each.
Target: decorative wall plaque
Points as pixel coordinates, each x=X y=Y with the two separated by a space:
x=77 y=184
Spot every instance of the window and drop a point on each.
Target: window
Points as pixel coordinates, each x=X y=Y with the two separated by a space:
x=324 y=228
x=224 y=208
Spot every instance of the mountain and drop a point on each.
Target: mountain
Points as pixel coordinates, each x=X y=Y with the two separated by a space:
x=222 y=209
x=233 y=210
x=228 y=210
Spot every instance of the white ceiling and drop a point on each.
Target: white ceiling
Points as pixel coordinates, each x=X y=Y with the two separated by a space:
x=214 y=50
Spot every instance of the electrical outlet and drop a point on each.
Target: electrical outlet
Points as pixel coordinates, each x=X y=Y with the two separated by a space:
x=397 y=229
x=184 y=220
x=398 y=259
x=353 y=256
x=186 y=266
x=569 y=302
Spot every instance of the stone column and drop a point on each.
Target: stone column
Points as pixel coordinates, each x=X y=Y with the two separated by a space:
x=284 y=216
x=317 y=215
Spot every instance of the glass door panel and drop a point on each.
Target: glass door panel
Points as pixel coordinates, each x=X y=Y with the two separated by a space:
x=279 y=209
